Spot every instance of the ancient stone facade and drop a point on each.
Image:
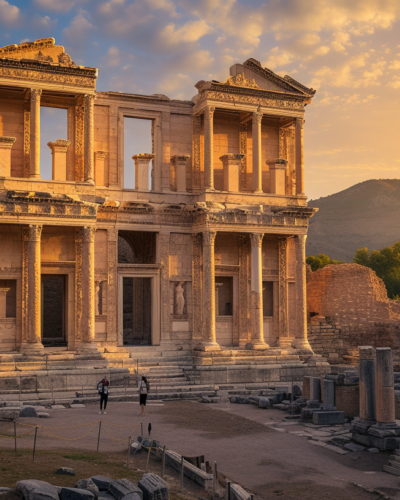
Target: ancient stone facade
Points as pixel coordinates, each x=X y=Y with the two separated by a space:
x=348 y=307
x=207 y=252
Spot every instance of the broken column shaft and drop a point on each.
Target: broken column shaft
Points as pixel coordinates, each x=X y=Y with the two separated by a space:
x=367 y=384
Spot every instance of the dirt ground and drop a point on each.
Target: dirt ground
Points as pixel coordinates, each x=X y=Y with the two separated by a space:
x=267 y=462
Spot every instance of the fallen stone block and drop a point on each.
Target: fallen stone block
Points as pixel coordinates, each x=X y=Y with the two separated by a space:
x=88 y=484
x=75 y=494
x=192 y=472
x=66 y=471
x=104 y=495
x=58 y=407
x=264 y=403
x=102 y=482
x=122 y=488
x=10 y=494
x=153 y=487
x=77 y=405
x=328 y=417
x=28 y=411
x=9 y=413
x=354 y=447
x=42 y=414
x=237 y=493
x=33 y=489
x=373 y=450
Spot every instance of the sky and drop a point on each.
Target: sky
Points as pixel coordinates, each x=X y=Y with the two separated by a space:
x=348 y=50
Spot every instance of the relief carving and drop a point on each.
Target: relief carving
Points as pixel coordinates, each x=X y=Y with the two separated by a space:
x=79 y=142
x=243 y=151
x=241 y=81
x=196 y=123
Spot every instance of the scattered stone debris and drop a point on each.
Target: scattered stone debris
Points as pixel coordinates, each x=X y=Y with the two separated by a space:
x=88 y=484
x=28 y=411
x=153 y=487
x=65 y=470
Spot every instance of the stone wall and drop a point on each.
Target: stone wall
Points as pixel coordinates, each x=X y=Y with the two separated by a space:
x=347 y=306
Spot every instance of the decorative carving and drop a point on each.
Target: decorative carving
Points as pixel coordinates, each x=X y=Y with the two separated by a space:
x=88 y=290
x=209 y=147
x=196 y=123
x=25 y=242
x=98 y=295
x=36 y=94
x=42 y=58
x=257 y=117
x=241 y=81
x=283 y=326
x=179 y=298
x=88 y=234
x=163 y=242
x=256 y=240
x=196 y=284
x=89 y=139
x=65 y=60
x=260 y=101
x=243 y=151
x=34 y=284
x=209 y=237
x=112 y=257
x=79 y=142
x=35 y=232
x=27 y=139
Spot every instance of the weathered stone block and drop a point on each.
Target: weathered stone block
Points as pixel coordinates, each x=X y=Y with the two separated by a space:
x=153 y=487
x=328 y=417
x=33 y=489
x=75 y=494
x=264 y=403
x=123 y=487
x=88 y=484
x=28 y=411
x=66 y=470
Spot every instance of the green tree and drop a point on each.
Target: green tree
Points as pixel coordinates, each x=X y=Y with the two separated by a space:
x=386 y=264
x=320 y=261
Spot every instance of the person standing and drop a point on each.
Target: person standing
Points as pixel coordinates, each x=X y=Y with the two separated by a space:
x=144 y=388
x=102 y=387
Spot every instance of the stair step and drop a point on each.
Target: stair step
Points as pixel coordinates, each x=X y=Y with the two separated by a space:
x=391 y=470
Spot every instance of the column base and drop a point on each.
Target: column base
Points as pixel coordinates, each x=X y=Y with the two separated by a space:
x=302 y=344
x=257 y=345
x=32 y=347
x=86 y=346
x=207 y=346
x=258 y=191
x=285 y=342
x=90 y=181
x=35 y=176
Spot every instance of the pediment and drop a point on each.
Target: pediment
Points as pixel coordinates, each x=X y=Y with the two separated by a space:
x=251 y=74
x=44 y=50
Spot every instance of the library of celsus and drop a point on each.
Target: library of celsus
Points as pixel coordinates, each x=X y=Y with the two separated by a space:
x=202 y=258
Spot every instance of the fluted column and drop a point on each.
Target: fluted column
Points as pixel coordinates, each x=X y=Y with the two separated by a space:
x=88 y=289
x=256 y=139
x=33 y=338
x=89 y=139
x=299 y=156
x=256 y=303
x=209 y=147
x=35 y=134
x=301 y=341
x=209 y=342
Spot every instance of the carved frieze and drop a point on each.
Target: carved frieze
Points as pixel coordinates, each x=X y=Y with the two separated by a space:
x=241 y=81
x=243 y=151
x=258 y=100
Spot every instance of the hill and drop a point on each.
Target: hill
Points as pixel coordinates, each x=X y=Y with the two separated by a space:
x=364 y=215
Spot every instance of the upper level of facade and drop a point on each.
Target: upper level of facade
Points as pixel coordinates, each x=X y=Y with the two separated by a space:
x=235 y=143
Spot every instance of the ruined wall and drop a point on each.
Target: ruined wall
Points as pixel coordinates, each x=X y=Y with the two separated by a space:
x=348 y=306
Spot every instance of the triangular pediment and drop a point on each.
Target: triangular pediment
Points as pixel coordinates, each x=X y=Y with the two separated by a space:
x=251 y=74
x=44 y=50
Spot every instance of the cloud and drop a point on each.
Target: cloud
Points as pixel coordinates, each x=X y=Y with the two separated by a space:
x=113 y=57
x=77 y=32
x=58 y=5
x=9 y=14
x=191 y=31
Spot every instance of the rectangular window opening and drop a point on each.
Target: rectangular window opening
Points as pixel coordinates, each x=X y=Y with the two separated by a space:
x=53 y=126
x=137 y=298
x=268 y=298
x=138 y=138
x=223 y=296
x=11 y=297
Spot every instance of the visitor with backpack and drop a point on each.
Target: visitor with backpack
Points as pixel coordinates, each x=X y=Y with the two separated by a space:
x=102 y=387
x=144 y=388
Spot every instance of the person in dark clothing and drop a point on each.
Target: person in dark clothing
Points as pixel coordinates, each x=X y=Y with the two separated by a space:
x=144 y=388
x=102 y=387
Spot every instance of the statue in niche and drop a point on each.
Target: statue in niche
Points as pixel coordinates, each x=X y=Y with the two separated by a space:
x=179 y=298
x=97 y=298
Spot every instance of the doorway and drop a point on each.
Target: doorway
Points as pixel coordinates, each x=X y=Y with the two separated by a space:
x=137 y=298
x=53 y=309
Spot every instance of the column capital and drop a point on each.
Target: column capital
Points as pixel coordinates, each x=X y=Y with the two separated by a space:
x=257 y=117
x=36 y=94
x=100 y=155
x=256 y=239
x=143 y=157
x=209 y=112
x=209 y=237
x=88 y=234
x=299 y=122
x=89 y=99
x=59 y=146
x=35 y=232
x=7 y=142
x=179 y=158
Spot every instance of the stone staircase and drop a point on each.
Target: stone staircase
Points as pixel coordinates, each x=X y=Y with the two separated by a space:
x=393 y=466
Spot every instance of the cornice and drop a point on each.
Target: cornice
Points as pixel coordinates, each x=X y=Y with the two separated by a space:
x=45 y=67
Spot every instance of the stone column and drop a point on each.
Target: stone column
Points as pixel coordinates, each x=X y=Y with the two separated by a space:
x=217 y=287
x=256 y=138
x=33 y=314
x=209 y=147
x=278 y=176
x=256 y=301
x=209 y=342
x=35 y=134
x=99 y=174
x=284 y=339
x=89 y=139
x=384 y=384
x=142 y=166
x=231 y=163
x=6 y=144
x=301 y=341
x=88 y=289
x=59 y=150
x=3 y=302
x=367 y=387
x=299 y=156
x=178 y=163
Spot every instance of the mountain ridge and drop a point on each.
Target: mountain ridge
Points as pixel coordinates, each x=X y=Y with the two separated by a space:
x=364 y=215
